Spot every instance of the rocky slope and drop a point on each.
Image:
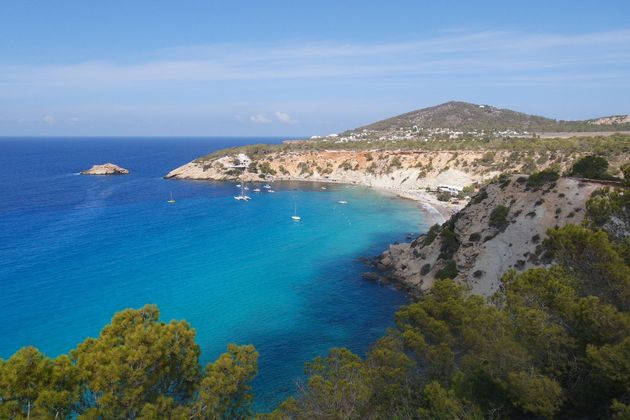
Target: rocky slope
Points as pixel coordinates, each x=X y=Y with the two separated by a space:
x=105 y=169
x=502 y=227
x=612 y=120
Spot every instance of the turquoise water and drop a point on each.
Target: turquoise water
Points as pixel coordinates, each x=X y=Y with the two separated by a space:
x=76 y=249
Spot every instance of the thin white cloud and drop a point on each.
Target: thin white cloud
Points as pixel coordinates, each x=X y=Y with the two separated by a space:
x=48 y=119
x=284 y=118
x=259 y=119
x=503 y=53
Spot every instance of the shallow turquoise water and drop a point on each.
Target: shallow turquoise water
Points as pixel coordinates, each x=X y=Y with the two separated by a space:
x=76 y=249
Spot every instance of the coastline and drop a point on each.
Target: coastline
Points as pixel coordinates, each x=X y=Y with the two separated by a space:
x=438 y=211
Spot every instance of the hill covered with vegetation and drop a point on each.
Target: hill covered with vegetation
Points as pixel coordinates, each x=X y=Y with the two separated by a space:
x=467 y=118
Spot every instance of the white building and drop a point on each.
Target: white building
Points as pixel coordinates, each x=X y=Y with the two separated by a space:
x=243 y=161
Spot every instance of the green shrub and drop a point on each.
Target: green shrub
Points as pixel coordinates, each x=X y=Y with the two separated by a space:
x=449 y=271
x=425 y=269
x=498 y=217
x=593 y=167
x=481 y=195
x=266 y=169
x=345 y=165
x=431 y=234
x=538 y=179
x=450 y=243
x=395 y=163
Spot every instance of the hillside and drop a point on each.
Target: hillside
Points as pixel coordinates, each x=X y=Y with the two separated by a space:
x=457 y=118
x=406 y=172
x=501 y=228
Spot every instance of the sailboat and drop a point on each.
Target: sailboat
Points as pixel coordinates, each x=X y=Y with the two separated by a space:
x=172 y=200
x=295 y=217
x=242 y=197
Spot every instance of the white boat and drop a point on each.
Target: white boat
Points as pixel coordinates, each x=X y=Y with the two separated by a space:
x=242 y=197
x=342 y=202
x=270 y=191
x=267 y=186
x=256 y=189
x=172 y=200
x=323 y=188
x=295 y=217
x=238 y=185
x=246 y=188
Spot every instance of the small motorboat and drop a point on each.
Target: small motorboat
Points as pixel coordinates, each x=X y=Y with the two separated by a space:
x=295 y=217
x=342 y=202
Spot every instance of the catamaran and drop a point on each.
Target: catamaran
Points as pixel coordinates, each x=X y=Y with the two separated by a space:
x=242 y=197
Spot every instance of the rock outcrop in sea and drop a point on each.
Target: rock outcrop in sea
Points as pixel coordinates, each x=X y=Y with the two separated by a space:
x=105 y=169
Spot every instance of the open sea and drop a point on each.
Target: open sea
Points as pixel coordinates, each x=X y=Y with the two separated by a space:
x=75 y=249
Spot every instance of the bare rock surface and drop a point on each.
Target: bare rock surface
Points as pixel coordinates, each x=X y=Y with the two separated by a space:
x=105 y=169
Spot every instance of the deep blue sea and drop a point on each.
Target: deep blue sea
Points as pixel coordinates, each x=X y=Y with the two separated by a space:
x=75 y=249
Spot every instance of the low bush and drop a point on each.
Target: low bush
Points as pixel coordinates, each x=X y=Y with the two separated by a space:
x=538 y=179
x=449 y=271
x=498 y=217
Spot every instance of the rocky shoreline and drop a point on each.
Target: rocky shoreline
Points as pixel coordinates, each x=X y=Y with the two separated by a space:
x=409 y=180
x=502 y=228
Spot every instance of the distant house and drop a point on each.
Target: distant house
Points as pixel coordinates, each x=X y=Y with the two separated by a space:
x=452 y=189
x=242 y=161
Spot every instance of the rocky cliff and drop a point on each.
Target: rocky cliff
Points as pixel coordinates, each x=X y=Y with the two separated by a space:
x=502 y=227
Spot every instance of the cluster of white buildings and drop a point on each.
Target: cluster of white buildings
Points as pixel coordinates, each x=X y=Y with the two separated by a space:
x=419 y=133
x=242 y=161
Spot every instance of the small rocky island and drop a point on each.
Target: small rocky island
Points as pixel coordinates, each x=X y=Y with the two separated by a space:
x=105 y=169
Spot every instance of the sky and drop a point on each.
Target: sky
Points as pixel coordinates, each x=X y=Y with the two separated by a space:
x=300 y=68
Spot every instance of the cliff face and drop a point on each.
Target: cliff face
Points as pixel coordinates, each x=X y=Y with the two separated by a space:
x=395 y=170
x=502 y=227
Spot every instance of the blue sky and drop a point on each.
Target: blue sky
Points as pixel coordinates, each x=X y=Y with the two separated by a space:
x=210 y=68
